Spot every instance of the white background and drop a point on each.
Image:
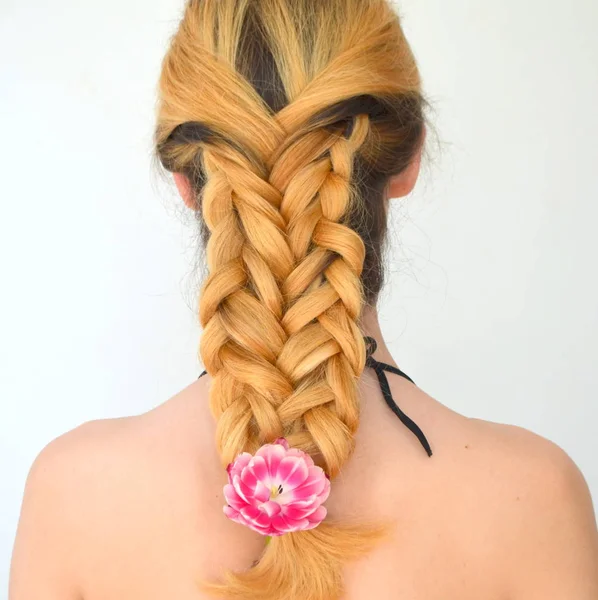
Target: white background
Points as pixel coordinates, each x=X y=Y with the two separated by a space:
x=492 y=307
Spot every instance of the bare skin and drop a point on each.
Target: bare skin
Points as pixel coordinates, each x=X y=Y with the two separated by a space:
x=132 y=507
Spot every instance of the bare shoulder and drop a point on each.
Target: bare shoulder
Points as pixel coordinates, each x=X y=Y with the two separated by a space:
x=106 y=483
x=514 y=497
x=98 y=456
x=544 y=519
x=513 y=458
x=521 y=455
x=538 y=471
x=521 y=470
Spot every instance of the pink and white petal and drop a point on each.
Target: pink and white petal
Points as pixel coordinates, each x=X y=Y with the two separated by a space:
x=323 y=496
x=232 y=497
x=281 y=523
x=283 y=442
x=260 y=470
x=300 y=454
x=261 y=530
x=318 y=473
x=233 y=515
x=295 y=452
x=261 y=493
x=240 y=488
x=288 y=498
x=258 y=528
x=248 y=477
x=308 y=489
x=271 y=508
x=297 y=514
x=255 y=516
x=240 y=463
x=292 y=472
x=263 y=521
x=250 y=512
x=238 y=518
x=313 y=485
x=310 y=526
x=318 y=515
x=273 y=454
x=247 y=491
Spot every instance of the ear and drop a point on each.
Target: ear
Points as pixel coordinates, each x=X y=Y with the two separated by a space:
x=402 y=184
x=185 y=190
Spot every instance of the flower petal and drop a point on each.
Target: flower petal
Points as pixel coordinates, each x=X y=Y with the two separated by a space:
x=238 y=465
x=233 y=515
x=281 y=523
x=271 y=508
x=256 y=516
x=292 y=472
x=261 y=530
x=240 y=488
x=314 y=484
x=273 y=454
x=300 y=454
x=259 y=468
x=288 y=498
x=323 y=496
x=297 y=514
x=248 y=477
x=318 y=515
x=261 y=492
x=238 y=518
x=232 y=497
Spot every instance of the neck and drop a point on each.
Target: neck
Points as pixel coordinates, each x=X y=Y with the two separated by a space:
x=370 y=326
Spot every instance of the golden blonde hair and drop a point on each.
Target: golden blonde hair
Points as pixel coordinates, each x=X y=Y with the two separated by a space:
x=288 y=117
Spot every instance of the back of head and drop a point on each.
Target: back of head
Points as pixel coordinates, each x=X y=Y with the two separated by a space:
x=288 y=117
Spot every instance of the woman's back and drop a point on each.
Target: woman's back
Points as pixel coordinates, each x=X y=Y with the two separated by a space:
x=132 y=508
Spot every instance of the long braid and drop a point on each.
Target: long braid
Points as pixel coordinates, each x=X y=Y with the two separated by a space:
x=268 y=378
x=314 y=353
x=282 y=178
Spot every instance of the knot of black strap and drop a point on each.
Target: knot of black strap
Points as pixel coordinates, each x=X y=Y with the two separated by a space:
x=380 y=368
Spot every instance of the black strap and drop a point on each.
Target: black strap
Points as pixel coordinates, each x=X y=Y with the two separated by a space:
x=371 y=347
x=379 y=368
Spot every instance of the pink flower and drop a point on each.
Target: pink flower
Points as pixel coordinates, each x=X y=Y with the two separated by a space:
x=277 y=491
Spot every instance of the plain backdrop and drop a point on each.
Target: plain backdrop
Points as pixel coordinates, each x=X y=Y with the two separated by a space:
x=492 y=296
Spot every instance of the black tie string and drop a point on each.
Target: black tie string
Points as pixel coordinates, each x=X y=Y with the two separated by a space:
x=379 y=368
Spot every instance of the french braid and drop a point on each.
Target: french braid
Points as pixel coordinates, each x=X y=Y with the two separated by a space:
x=282 y=179
x=279 y=312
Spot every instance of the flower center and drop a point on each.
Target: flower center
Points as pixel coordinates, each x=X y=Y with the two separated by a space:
x=275 y=491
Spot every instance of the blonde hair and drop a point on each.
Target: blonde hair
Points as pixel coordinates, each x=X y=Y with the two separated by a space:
x=288 y=117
